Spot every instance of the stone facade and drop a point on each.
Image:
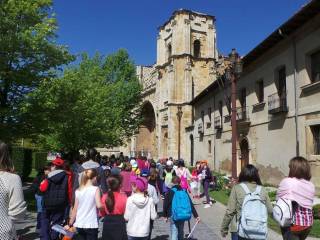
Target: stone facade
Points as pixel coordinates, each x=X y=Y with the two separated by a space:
x=186 y=53
x=278 y=100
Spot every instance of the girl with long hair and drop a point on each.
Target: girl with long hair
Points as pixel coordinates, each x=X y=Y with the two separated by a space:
x=114 y=205
x=249 y=176
x=12 y=205
x=84 y=213
x=298 y=188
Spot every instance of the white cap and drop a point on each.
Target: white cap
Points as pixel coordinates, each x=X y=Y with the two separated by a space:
x=133 y=163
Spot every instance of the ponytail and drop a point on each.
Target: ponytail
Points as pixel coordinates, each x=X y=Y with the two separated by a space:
x=113 y=186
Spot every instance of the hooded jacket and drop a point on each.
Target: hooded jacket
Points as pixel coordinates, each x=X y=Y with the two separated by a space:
x=140 y=210
x=55 y=189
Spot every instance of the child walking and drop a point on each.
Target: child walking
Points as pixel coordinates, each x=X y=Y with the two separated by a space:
x=84 y=213
x=140 y=209
x=178 y=207
x=114 y=205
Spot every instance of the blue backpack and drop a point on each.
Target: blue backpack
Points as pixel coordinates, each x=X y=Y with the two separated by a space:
x=181 y=206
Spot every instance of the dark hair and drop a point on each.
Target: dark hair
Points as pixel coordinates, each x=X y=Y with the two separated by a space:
x=92 y=154
x=299 y=168
x=181 y=163
x=176 y=180
x=249 y=173
x=5 y=160
x=114 y=185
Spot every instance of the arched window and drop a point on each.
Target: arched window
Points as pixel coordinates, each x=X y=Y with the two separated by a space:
x=196 y=48
x=169 y=51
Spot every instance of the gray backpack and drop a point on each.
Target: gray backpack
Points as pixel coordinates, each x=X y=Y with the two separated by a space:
x=253 y=222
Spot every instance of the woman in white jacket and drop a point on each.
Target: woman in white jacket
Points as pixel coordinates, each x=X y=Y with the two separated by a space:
x=140 y=209
x=12 y=204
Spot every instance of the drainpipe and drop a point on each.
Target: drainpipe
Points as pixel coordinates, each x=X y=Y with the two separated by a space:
x=296 y=97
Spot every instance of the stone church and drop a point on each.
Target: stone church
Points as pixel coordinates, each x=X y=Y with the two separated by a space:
x=185 y=66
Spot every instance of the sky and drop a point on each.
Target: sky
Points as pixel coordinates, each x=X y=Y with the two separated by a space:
x=106 y=25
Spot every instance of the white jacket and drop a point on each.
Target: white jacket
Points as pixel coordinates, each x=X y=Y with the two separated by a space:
x=139 y=211
x=152 y=192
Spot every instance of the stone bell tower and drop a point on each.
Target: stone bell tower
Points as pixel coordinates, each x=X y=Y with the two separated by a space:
x=186 y=53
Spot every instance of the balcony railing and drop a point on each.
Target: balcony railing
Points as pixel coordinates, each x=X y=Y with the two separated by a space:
x=243 y=114
x=218 y=122
x=277 y=104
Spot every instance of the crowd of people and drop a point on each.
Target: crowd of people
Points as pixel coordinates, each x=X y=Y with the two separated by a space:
x=124 y=194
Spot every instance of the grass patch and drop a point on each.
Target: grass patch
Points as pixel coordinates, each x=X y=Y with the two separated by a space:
x=222 y=197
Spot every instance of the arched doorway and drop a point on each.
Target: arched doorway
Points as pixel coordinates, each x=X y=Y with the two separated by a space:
x=192 y=150
x=146 y=138
x=244 y=148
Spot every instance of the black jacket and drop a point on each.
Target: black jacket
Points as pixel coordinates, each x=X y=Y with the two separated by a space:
x=168 y=203
x=56 y=196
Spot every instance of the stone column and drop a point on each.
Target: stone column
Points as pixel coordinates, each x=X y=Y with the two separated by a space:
x=210 y=41
x=187 y=36
x=188 y=81
x=170 y=83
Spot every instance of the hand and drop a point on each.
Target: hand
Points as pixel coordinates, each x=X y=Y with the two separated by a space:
x=67 y=227
x=198 y=219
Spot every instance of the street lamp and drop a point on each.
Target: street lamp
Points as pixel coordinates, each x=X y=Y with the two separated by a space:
x=179 y=116
x=232 y=74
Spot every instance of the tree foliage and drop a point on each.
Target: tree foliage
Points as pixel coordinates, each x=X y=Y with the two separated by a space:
x=28 y=54
x=94 y=103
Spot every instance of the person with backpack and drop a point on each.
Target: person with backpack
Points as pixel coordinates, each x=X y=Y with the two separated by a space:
x=114 y=205
x=140 y=209
x=248 y=207
x=84 y=213
x=184 y=174
x=56 y=191
x=300 y=192
x=179 y=208
x=168 y=174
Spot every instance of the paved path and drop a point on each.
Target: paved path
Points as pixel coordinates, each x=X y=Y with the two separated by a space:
x=208 y=228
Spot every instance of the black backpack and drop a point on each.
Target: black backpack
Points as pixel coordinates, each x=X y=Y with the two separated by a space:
x=56 y=197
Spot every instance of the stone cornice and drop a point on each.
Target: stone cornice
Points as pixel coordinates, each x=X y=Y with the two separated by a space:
x=184 y=55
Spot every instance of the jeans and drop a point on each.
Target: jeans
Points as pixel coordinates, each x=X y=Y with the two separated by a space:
x=288 y=235
x=48 y=219
x=87 y=234
x=176 y=230
x=137 y=238
x=234 y=236
x=206 y=185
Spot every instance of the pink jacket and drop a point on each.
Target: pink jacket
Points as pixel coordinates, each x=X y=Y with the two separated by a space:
x=298 y=190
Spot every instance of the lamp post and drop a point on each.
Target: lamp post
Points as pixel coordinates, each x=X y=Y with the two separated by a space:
x=232 y=74
x=179 y=116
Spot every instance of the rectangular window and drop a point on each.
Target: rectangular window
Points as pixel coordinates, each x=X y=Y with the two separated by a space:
x=229 y=104
x=282 y=86
x=220 y=108
x=316 y=139
x=243 y=97
x=209 y=146
x=202 y=116
x=315 y=66
x=260 y=91
x=209 y=113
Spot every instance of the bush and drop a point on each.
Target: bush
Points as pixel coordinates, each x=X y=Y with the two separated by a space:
x=22 y=161
x=316 y=211
x=222 y=182
x=272 y=195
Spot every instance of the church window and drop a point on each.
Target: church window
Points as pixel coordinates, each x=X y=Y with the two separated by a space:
x=196 y=48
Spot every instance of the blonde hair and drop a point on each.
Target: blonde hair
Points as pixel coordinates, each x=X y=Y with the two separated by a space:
x=88 y=174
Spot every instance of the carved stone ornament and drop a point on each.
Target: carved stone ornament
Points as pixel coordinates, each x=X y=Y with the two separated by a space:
x=187 y=21
x=173 y=23
x=188 y=66
x=170 y=68
x=210 y=26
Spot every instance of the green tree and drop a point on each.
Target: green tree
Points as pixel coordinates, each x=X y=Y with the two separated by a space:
x=28 y=54
x=94 y=103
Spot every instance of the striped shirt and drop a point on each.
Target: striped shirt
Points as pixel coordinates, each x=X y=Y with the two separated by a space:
x=303 y=217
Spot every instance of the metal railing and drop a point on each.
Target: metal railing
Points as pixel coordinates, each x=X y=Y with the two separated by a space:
x=243 y=114
x=277 y=103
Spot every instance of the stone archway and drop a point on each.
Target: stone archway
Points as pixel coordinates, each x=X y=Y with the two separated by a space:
x=244 y=149
x=146 y=138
